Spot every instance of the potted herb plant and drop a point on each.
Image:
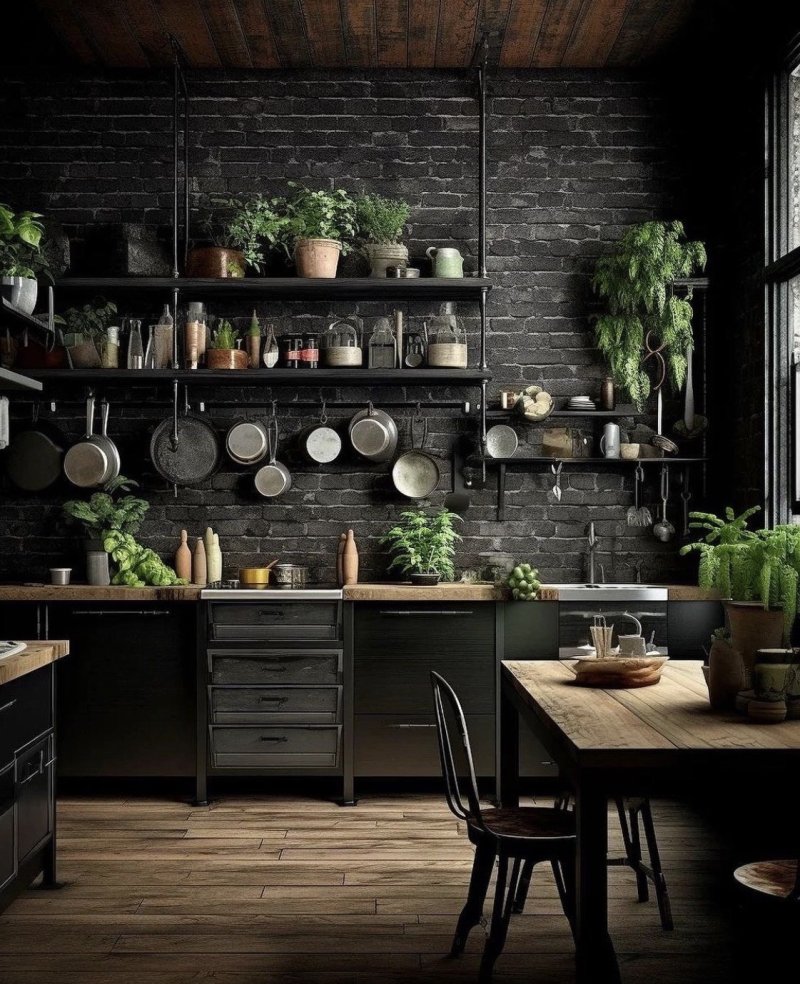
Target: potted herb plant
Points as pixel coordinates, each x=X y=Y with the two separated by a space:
x=222 y=351
x=110 y=520
x=636 y=284
x=423 y=546
x=757 y=574
x=380 y=226
x=319 y=227
x=239 y=236
x=20 y=257
x=85 y=331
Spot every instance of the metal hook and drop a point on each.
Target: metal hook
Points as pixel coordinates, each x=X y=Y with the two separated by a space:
x=323 y=418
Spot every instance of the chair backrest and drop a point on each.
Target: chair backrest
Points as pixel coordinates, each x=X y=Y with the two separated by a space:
x=456 y=760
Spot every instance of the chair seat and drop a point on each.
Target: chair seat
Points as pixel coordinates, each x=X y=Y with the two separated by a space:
x=528 y=822
x=774 y=878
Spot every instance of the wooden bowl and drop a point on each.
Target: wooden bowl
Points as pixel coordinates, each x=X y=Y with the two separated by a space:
x=619 y=672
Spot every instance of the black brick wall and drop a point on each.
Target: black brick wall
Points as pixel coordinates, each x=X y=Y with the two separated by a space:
x=573 y=158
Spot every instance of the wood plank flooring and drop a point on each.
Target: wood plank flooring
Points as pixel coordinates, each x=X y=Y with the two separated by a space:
x=259 y=890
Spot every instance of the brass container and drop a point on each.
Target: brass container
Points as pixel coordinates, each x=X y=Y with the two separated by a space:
x=254 y=577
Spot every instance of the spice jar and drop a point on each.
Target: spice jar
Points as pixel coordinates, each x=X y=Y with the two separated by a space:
x=291 y=350
x=309 y=354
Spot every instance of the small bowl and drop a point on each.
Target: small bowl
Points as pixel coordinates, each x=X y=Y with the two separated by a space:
x=501 y=441
x=60 y=575
x=629 y=451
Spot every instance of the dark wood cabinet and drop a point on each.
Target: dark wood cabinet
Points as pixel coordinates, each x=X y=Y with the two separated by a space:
x=8 y=853
x=35 y=796
x=126 y=696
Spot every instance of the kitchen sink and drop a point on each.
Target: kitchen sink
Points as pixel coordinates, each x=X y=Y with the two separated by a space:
x=611 y=592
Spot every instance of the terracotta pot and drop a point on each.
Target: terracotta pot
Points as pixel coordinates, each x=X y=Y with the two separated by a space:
x=84 y=355
x=227 y=359
x=752 y=628
x=382 y=255
x=726 y=675
x=317 y=257
x=215 y=261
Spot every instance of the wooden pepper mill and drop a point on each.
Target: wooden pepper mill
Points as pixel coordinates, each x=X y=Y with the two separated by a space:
x=350 y=560
x=183 y=558
x=340 y=559
x=199 y=568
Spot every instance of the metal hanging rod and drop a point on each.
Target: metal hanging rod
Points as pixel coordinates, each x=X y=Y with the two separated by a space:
x=463 y=405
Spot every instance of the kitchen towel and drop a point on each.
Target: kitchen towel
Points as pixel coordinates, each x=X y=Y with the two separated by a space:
x=4 y=437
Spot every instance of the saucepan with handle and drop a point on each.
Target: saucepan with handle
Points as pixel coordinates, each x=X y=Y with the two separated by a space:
x=415 y=473
x=274 y=478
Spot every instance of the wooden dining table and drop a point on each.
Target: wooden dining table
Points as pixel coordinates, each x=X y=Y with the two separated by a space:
x=614 y=742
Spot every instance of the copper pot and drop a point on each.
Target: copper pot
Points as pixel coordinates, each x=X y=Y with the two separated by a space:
x=215 y=261
x=254 y=577
x=227 y=359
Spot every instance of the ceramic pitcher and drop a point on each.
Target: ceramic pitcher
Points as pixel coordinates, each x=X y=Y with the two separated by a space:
x=446 y=260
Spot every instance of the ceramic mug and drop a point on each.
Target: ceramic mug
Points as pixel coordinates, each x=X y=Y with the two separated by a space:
x=446 y=260
x=632 y=645
x=609 y=442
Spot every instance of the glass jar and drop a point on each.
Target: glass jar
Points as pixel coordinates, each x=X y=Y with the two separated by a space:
x=291 y=347
x=382 y=346
x=309 y=354
x=447 y=340
x=340 y=344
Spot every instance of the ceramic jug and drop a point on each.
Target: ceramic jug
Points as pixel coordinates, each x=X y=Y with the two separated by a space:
x=446 y=260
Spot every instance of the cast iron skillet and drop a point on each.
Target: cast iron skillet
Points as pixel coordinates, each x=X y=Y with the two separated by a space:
x=34 y=458
x=184 y=450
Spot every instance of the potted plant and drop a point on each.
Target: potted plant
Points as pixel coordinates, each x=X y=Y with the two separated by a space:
x=756 y=573
x=423 y=546
x=223 y=352
x=318 y=229
x=86 y=331
x=238 y=236
x=380 y=225
x=110 y=520
x=20 y=257
x=636 y=283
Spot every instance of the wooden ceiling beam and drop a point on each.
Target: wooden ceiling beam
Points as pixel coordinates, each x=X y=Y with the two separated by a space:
x=150 y=31
x=186 y=22
x=226 y=33
x=595 y=33
x=555 y=33
x=258 y=33
x=289 y=30
x=522 y=32
x=458 y=22
x=423 y=32
x=67 y=27
x=360 y=39
x=391 y=26
x=324 y=30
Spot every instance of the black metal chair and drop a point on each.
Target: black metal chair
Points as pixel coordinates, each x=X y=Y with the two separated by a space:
x=513 y=836
x=632 y=811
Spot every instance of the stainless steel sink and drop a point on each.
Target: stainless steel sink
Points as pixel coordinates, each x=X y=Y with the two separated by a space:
x=611 y=592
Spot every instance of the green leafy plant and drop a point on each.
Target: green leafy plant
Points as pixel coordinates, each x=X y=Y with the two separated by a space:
x=524 y=582
x=20 y=244
x=114 y=518
x=224 y=336
x=249 y=225
x=423 y=544
x=91 y=320
x=318 y=215
x=636 y=283
x=381 y=220
x=747 y=565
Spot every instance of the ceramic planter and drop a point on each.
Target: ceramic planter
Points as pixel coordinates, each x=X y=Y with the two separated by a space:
x=227 y=359
x=21 y=292
x=317 y=257
x=726 y=675
x=84 y=355
x=752 y=628
x=383 y=255
x=425 y=580
x=215 y=262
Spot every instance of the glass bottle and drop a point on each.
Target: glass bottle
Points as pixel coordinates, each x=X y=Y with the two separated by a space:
x=163 y=335
x=195 y=334
x=135 y=345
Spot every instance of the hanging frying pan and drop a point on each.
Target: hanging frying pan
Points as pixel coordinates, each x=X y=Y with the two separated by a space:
x=184 y=450
x=415 y=474
x=35 y=456
x=92 y=462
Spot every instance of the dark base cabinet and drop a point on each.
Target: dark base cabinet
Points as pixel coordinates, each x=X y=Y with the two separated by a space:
x=27 y=783
x=395 y=648
x=126 y=695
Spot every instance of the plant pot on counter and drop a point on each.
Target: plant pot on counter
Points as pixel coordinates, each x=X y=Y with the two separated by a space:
x=753 y=627
x=215 y=262
x=98 y=572
x=227 y=359
x=21 y=292
x=317 y=257
x=425 y=580
x=383 y=255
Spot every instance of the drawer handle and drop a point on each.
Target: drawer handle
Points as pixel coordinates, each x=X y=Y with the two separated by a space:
x=412 y=725
x=443 y=611
x=273 y=700
x=274 y=741
x=154 y=612
x=273 y=669
x=36 y=772
x=8 y=706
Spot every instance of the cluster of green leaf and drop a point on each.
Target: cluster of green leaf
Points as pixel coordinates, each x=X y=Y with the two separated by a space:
x=424 y=544
x=747 y=565
x=636 y=283
x=250 y=225
x=524 y=582
x=137 y=565
x=20 y=243
x=381 y=220
x=224 y=336
x=319 y=214
x=91 y=320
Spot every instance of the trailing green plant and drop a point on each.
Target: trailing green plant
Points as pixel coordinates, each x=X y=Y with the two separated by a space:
x=114 y=518
x=318 y=215
x=20 y=244
x=423 y=544
x=746 y=565
x=249 y=225
x=636 y=283
x=91 y=320
x=381 y=220
x=224 y=336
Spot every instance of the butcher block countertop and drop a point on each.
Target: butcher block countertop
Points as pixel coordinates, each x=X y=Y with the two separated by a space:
x=88 y=592
x=411 y=593
x=37 y=655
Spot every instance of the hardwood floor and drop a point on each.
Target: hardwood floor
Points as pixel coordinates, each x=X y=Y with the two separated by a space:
x=288 y=890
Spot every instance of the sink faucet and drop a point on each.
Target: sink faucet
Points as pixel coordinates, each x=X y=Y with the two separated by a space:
x=592 y=550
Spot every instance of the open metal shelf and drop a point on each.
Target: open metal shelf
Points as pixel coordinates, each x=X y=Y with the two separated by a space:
x=269 y=377
x=512 y=416
x=11 y=315
x=10 y=380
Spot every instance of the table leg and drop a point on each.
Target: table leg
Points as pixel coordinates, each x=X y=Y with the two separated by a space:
x=595 y=957
x=508 y=791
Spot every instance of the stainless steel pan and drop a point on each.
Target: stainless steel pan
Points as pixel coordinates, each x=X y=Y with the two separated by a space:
x=274 y=478
x=415 y=473
x=95 y=460
x=246 y=442
x=320 y=444
x=373 y=434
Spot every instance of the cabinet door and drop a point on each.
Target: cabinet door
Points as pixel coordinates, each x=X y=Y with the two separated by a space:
x=126 y=695
x=34 y=782
x=8 y=854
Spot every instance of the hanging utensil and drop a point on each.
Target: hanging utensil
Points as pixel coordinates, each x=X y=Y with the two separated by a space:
x=274 y=478
x=638 y=515
x=556 y=470
x=457 y=501
x=656 y=352
x=320 y=444
x=91 y=462
x=663 y=529
x=184 y=450
x=34 y=458
x=686 y=496
x=415 y=474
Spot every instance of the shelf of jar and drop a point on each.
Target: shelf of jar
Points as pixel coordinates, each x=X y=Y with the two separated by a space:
x=10 y=380
x=512 y=416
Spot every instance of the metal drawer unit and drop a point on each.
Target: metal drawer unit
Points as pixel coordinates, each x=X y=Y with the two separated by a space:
x=273 y=685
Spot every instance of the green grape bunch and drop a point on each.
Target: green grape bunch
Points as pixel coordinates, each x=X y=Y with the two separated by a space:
x=524 y=582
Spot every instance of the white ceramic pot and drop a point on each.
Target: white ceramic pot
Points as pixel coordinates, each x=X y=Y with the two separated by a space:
x=383 y=255
x=21 y=292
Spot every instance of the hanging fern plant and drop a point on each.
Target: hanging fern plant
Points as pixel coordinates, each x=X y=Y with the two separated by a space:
x=636 y=284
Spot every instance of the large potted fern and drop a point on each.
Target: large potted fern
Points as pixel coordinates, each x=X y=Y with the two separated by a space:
x=423 y=547
x=757 y=572
x=636 y=283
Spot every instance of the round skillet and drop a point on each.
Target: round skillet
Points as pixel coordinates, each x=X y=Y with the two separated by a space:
x=184 y=450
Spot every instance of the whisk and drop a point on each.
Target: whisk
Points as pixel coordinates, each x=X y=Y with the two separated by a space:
x=638 y=515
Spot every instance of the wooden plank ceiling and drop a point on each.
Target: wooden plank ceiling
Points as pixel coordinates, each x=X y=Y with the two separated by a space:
x=270 y=34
